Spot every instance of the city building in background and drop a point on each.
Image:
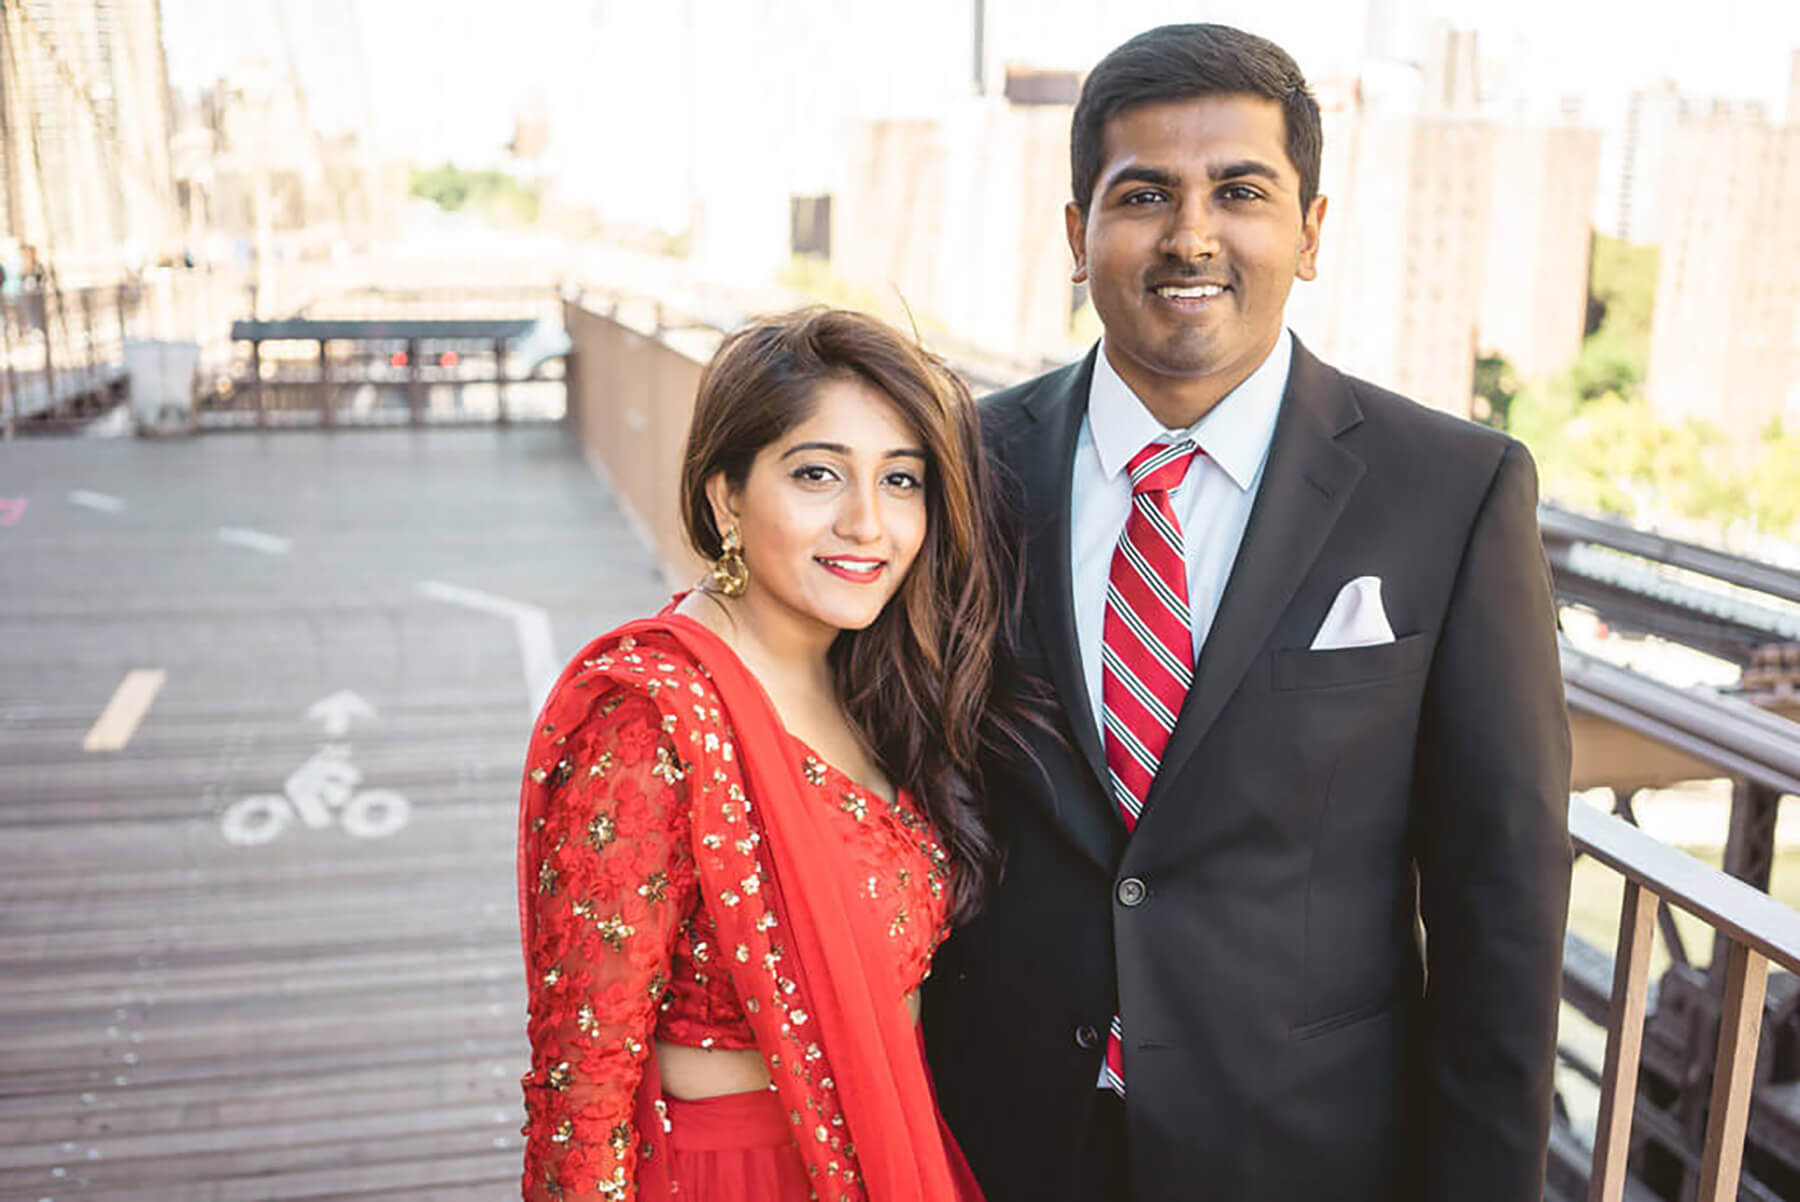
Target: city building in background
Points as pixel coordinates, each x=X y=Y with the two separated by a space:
x=1632 y=202
x=1725 y=338
x=1535 y=281
x=962 y=216
x=1457 y=224
x=931 y=185
x=264 y=193
x=911 y=161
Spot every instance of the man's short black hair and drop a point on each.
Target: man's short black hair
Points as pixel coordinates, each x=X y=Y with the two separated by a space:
x=1184 y=62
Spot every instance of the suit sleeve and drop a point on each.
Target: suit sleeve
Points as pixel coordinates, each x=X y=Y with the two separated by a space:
x=1492 y=848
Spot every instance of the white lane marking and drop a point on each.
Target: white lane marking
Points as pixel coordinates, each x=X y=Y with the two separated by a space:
x=104 y=502
x=337 y=711
x=256 y=540
x=531 y=626
x=113 y=729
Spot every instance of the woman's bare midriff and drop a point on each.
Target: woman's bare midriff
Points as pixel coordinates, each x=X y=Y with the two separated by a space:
x=691 y=1073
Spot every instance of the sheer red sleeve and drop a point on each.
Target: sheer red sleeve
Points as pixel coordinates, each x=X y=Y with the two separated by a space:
x=614 y=876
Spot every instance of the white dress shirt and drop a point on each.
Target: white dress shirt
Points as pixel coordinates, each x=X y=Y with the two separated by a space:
x=1212 y=504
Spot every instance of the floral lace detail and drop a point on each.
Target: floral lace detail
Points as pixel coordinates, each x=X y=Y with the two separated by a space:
x=644 y=799
x=616 y=877
x=903 y=868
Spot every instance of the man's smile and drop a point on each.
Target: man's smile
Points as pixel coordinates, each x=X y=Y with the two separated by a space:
x=1187 y=295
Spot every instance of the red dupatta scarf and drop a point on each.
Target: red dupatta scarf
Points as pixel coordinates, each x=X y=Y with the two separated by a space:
x=810 y=963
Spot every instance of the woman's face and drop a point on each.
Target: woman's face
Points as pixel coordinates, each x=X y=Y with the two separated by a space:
x=833 y=513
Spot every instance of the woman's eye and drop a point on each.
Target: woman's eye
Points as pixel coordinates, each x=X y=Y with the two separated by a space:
x=902 y=480
x=814 y=473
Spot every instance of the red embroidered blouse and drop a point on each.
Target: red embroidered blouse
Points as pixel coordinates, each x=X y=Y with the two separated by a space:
x=625 y=949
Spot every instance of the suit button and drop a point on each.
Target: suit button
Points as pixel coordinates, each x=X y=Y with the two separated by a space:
x=1086 y=1038
x=1132 y=891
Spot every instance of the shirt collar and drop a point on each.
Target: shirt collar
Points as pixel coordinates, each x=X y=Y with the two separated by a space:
x=1235 y=434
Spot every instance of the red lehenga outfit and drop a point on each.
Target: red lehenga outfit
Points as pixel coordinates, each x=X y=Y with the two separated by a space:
x=690 y=872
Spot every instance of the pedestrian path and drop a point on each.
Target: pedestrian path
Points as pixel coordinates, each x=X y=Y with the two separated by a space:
x=257 y=928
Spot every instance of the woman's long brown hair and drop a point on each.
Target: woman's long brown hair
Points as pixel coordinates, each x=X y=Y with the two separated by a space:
x=929 y=684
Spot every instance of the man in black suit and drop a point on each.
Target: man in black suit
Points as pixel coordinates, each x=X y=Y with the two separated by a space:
x=1323 y=895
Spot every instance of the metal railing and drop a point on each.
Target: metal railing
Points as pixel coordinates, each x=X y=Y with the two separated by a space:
x=61 y=349
x=1758 y=930
x=1753 y=929
x=1561 y=527
x=386 y=372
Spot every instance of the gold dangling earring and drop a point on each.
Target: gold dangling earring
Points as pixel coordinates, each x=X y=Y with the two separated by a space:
x=731 y=575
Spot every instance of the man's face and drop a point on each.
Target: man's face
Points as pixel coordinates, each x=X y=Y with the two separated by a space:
x=1192 y=239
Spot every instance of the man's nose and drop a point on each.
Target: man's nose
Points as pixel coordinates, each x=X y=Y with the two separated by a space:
x=1192 y=236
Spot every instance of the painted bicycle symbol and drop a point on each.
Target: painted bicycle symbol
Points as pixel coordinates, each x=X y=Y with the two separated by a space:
x=321 y=793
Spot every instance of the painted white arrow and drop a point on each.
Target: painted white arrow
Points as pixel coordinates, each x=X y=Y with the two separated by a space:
x=337 y=711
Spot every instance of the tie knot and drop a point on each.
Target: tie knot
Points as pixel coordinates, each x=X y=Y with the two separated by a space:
x=1160 y=466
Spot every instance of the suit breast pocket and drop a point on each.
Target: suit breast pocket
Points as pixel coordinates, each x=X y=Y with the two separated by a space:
x=1298 y=668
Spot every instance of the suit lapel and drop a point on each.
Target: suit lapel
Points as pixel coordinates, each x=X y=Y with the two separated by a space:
x=1042 y=454
x=1305 y=486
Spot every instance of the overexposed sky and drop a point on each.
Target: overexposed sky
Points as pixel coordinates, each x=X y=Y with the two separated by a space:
x=444 y=78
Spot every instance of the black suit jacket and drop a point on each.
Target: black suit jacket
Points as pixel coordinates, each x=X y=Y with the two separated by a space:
x=1341 y=979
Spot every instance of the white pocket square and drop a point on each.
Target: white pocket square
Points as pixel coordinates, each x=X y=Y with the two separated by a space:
x=1356 y=618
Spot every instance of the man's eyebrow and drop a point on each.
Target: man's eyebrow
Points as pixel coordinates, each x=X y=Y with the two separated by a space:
x=1256 y=167
x=1138 y=173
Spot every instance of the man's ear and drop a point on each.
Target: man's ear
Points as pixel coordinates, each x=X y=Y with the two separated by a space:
x=1077 y=227
x=722 y=498
x=1308 y=266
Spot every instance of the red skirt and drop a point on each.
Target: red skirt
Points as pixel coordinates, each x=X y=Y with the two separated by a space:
x=735 y=1148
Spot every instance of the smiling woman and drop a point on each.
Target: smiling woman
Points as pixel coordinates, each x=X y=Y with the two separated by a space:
x=748 y=822
x=842 y=497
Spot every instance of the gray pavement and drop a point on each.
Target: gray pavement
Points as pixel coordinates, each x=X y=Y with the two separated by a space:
x=259 y=952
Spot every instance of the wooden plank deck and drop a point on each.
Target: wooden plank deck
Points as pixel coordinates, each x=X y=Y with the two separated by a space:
x=329 y=1013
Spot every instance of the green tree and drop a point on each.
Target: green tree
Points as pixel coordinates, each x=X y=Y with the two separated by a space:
x=1610 y=364
x=1600 y=446
x=493 y=194
x=1773 y=482
x=1615 y=356
x=1496 y=384
x=1622 y=287
x=1614 y=455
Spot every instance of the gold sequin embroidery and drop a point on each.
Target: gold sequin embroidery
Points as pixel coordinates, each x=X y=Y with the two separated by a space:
x=615 y=931
x=667 y=767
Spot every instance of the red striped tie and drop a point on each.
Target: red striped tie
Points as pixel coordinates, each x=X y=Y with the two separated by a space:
x=1147 y=649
